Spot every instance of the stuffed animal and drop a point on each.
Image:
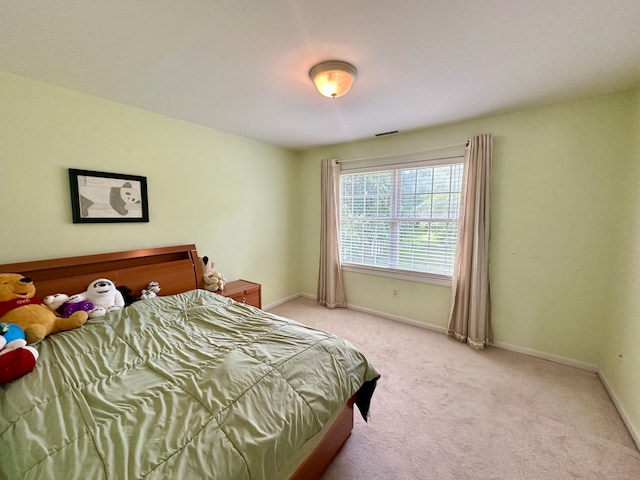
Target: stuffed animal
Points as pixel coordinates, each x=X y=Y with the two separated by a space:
x=104 y=296
x=11 y=336
x=16 y=359
x=19 y=307
x=61 y=304
x=213 y=280
x=151 y=291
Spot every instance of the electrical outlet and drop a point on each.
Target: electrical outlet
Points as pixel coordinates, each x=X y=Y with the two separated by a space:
x=394 y=294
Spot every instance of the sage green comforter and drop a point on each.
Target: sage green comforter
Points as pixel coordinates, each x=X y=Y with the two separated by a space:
x=189 y=386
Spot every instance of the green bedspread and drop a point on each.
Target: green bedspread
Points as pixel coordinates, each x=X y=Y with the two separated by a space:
x=190 y=386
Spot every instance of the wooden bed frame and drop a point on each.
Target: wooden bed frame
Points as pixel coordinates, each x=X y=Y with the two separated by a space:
x=177 y=269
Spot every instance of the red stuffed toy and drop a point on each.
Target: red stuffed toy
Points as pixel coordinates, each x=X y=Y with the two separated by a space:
x=16 y=359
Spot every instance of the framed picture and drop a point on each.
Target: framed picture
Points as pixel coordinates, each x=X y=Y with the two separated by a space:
x=101 y=197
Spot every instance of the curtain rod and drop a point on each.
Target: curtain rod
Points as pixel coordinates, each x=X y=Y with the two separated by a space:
x=464 y=144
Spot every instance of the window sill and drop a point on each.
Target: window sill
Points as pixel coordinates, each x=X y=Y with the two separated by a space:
x=443 y=280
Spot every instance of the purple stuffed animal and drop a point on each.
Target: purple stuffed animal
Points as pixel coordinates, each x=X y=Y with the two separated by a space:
x=60 y=303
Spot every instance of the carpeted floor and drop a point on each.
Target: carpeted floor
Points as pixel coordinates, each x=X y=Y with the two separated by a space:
x=444 y=411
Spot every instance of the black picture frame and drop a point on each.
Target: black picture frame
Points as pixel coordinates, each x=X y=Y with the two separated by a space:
x=102 y=197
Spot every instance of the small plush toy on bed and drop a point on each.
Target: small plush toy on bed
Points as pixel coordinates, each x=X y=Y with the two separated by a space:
x=104 y=296
x=151 y=291
x=213 y=280
x=61 y=303
x=16 y=359
x=18 y=306
x=11 y=337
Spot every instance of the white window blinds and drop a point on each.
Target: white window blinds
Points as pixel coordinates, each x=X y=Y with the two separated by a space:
x=402 y=218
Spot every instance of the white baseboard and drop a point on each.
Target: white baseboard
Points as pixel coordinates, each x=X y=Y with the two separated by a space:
x=283 y=300
x=397 y=318
x=439 y=329
x=547 y=356
x=506 y=346
x=623 y=414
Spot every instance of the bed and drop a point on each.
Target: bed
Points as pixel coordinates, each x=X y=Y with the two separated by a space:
x=186 y=385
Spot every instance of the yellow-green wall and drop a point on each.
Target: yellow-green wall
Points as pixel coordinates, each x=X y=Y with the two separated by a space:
x=621 y=353
x=556 y=179
x=565 y=253
x=234 y=197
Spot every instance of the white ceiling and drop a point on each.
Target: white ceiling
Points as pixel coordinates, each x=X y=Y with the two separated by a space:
x=241 y=66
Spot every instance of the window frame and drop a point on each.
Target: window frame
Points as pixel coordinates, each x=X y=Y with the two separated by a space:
x=368 y=166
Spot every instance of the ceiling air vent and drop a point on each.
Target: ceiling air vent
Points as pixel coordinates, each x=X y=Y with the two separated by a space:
x=383 y=134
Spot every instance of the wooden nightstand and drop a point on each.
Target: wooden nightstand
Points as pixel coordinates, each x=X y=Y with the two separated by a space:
x=243 y=291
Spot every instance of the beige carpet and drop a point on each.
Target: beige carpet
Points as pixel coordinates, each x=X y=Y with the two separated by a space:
x=444 y=411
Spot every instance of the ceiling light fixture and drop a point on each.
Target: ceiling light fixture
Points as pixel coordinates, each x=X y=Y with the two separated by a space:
x=333 y=78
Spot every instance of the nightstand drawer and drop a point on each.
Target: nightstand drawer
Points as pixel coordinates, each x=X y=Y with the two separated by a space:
x=243 y=291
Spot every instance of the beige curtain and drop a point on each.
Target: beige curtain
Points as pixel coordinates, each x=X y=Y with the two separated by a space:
x=330 y=287
x=470 y=318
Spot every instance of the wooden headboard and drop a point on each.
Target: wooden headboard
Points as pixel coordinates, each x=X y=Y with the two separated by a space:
x=177 y=269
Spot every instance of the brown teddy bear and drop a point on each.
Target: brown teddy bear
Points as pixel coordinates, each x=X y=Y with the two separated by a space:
x=18 y=306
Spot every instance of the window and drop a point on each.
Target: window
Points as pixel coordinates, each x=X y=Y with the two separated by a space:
x=402 y=219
